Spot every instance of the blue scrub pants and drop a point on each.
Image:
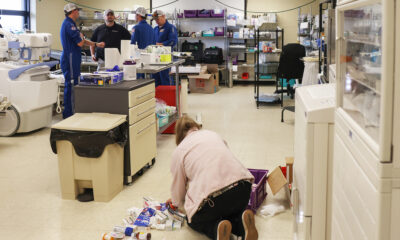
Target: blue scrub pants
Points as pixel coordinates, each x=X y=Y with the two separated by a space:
x=163 y=78
x=68 y=95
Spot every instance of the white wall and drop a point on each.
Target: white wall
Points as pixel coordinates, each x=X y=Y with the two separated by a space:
x=49 y=17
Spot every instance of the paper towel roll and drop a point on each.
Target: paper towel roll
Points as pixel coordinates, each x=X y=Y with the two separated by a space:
x=112 y=57
x=125 y=50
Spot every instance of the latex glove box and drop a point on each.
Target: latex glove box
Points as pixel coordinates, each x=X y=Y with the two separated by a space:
x=136 y=99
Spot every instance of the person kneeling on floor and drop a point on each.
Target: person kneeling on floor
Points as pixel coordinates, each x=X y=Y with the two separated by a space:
x=211 y=184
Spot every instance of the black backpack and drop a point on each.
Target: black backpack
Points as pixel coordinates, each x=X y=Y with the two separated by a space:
x=213 y=55
x=196 y=48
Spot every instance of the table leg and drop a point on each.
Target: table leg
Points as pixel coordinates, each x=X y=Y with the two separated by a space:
x=178 y=108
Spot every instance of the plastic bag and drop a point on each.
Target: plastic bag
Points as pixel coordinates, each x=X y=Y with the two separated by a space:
x=90 y=144
x=272 y=209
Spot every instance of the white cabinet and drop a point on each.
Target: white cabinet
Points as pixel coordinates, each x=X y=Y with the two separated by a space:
x=366 y=176
x=314 y=119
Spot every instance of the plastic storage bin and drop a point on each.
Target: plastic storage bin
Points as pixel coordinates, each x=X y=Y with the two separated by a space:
x=90 y=149
x=168 y=95
x=190 y=13
x=217 y=15
x=204 y=13
x=219 y=31
x=259 y=190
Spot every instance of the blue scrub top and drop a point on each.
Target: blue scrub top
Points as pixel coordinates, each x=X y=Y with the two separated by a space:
x=167 y=34
x=142 y=35
x=71 y=56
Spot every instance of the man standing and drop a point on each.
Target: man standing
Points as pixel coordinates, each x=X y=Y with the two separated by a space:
x=111 y=33
x=142 y=33
x=166 y=35
x=72 y=41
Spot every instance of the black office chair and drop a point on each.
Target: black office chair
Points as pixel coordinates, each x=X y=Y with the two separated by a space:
x=290 y=67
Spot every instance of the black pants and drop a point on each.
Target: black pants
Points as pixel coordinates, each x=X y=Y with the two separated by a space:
x=228 y=206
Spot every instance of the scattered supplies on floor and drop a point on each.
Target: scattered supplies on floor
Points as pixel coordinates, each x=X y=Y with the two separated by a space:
x=152 y=216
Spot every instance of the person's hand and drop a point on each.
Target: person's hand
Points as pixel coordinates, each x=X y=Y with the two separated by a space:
x=94 y=58
x=82 y=36
x=101 y=44
x=160 y=44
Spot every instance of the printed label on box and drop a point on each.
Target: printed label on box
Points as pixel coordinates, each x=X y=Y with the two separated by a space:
x=200 y=83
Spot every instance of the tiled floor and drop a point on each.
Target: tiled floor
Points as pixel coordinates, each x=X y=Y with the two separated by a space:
x=30 y=203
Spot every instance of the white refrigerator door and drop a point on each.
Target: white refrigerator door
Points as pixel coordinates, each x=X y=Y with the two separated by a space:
x=365 y=67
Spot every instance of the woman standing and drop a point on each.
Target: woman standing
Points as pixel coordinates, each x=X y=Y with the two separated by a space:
x=211 y=184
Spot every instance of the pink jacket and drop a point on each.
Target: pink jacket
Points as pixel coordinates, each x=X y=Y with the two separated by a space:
x=202 y=164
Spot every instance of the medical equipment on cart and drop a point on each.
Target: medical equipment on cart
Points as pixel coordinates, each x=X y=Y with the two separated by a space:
x=26 y=47
x=31 y=93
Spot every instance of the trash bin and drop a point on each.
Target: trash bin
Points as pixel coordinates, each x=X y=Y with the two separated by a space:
x=90 y=149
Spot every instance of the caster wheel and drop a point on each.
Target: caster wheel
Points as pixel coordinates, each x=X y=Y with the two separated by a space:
x=9 y=123
x=140 y=173
x=153 y=161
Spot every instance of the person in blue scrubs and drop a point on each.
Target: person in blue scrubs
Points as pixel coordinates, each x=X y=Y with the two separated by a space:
x=166 y=35
x=142 y=33
x=72 y=40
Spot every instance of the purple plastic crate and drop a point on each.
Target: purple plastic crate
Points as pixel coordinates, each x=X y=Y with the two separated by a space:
x=219 y=33
x=217 y=15
x=179 y=15
x=258 y=190
x=190 y=13
x=204 y=13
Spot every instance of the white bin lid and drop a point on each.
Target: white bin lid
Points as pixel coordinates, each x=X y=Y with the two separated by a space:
x=98 y=122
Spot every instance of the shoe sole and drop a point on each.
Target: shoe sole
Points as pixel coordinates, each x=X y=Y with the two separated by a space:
x=224 y=230
x=249 y=225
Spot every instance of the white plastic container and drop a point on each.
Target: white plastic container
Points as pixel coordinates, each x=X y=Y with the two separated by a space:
x=129 y=71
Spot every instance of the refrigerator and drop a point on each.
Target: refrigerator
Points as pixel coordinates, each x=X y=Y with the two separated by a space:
x=366 y=163
x=313 y=148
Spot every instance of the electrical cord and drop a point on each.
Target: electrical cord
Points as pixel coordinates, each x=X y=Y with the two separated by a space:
x=58 y=108
x=99 y=9
x=287 y=10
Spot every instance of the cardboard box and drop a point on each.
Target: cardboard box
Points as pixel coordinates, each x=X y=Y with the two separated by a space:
x=276 y=180
x=289 y=169
x=207 y=81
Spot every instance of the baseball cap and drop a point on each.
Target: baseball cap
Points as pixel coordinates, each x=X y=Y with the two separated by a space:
x=158 y=13
x=141 y=11
x=70 y=7
x=106 y=12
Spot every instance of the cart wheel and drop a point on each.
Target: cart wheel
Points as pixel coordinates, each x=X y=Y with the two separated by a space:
x=9 y=122
x=140 y=173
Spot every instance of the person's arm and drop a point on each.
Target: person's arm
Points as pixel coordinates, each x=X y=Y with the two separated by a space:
x=90 y=43
x=178 y=187
x=134 y=36
x=92 y=48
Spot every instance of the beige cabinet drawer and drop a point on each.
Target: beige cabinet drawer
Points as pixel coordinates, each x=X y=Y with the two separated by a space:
x=143 y=146
x=142 y=110
x=141 y=95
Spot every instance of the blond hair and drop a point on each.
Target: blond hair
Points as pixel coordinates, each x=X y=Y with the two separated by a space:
x=182 y=127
